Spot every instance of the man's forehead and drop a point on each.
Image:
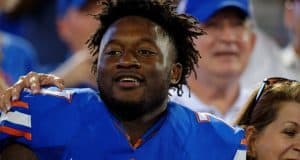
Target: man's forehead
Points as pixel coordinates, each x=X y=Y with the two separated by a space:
x=137 y=23
x=133 y=28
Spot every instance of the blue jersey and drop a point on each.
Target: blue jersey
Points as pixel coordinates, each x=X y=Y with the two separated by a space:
x=75 y=124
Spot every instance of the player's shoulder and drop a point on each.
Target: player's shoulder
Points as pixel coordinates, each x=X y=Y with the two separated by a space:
x=68 y=94
x=219 y=126
x=211 y=123
x=197 y=131
x=51 y=112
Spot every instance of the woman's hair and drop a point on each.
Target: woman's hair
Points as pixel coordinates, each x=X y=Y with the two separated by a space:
x=260 y=111
x=180 y=28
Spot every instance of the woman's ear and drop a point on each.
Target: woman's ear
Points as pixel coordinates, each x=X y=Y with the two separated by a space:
x=176 y=72
x=251 y=135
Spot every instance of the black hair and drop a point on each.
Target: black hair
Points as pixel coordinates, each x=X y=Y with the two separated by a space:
x=181 y=28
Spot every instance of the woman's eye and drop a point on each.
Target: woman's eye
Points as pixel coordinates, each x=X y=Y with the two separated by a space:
x=289 y=132
x=145 y=52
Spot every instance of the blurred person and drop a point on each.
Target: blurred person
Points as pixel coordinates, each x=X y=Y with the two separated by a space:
x=264 y=61
x=271 y=119
x=291 y=54
x=17 y=56
x=225 y=52
x=143 y=49
x=6 y=24
x=75 y=24
x=34 y=20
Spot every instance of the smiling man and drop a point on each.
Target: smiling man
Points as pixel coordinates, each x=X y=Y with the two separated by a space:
x=142 y=49
x=225 y=52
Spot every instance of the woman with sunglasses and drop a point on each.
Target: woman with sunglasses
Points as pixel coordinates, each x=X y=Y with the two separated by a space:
x=271 y=119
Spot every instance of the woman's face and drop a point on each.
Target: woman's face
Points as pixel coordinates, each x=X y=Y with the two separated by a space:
x=280 y=140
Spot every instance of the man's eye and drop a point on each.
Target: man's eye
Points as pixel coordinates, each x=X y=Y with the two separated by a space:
x=145 y=52
x=114 y=53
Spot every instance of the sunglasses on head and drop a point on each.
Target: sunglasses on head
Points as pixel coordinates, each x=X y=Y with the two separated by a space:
x=267 y=82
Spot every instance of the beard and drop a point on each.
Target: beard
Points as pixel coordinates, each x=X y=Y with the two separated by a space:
x=133 y=110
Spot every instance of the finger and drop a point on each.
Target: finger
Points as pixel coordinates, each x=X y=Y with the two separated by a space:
x=29 y=77
x=15 y=92
x=49 y=79
x=35 y=84
x=23 y=81
x=59 y=83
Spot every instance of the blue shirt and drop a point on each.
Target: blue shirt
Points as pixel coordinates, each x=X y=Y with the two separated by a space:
x=75 y=124
x=19 y=57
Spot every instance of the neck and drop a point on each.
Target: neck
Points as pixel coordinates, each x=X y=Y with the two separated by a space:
x=136 y=128
x=219 y=92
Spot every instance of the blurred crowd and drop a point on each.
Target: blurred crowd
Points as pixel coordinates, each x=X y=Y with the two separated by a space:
x=49 y=36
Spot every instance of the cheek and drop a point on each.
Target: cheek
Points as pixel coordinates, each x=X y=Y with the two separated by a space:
x=270 y=146
x=104 y=68
x=245 y=45
x=203 y=45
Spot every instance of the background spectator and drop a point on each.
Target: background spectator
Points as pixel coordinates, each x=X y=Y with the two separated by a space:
x=225 y=52
x=271 y=120
x=291 y=54
x=34 y=20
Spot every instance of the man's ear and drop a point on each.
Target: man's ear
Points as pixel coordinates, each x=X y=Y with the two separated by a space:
x=176 y=72
x=251 y=136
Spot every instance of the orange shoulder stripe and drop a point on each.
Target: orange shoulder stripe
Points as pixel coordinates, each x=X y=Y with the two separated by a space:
x=15 y=132
x=19 y=104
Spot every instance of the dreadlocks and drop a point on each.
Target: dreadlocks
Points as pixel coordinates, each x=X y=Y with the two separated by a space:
x=180 y=27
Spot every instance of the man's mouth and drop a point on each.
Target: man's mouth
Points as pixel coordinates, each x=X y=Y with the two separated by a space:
x=128 y=81
x=221 y=54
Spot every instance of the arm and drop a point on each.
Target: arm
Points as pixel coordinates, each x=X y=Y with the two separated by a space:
x=31 y=81
x=77 y=70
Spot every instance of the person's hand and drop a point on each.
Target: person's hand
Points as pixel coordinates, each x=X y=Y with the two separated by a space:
x=32 y=81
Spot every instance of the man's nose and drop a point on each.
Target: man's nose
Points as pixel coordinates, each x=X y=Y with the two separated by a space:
x=128 y=60
x=228 y=34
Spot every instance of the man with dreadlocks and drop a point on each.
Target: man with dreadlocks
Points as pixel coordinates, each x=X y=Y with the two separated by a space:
x=143 y=49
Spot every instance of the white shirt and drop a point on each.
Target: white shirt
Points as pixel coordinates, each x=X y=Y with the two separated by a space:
x=264 y=62
x=195 y=104
x=291 y=62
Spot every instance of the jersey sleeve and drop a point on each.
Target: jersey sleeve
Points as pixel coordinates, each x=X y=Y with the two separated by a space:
x=215 y=139
x=44 y=120
x=226 y=141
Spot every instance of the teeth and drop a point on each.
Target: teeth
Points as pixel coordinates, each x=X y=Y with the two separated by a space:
x=128 y=80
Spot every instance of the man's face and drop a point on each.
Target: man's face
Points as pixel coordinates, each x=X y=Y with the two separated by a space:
x=134 y=67
x=226 y=48
x=77 y=26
